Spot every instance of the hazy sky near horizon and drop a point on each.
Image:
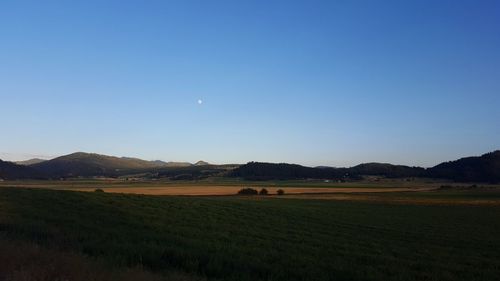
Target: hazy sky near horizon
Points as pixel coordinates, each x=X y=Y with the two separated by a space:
x=311 y=82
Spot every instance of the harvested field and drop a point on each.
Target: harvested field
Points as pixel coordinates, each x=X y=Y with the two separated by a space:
x=232 y=190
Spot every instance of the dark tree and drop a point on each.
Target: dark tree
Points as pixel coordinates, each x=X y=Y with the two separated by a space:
x=248 y=191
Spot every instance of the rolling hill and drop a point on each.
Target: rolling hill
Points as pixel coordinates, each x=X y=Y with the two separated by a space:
x=90 y=164
x=284 y=171
x=388 y=170
x=484 y=168
x=12 y=171
x=82 y=164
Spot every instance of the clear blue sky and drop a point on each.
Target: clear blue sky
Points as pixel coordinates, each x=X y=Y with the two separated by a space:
x=310 y=82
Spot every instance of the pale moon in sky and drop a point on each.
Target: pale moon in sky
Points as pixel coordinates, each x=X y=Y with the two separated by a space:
x=200 y=101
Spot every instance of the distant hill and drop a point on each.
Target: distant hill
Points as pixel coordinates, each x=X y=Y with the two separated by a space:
x=283 y=171
x=90 y=164
x=176 y=164
x=82 y=164
x=388 y=170
x=30 y=161
x=12 y=171
x=158 y=163
x=269 y=171
x=485 y=168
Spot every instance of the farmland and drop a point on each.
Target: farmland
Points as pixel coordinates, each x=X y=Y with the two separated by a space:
x=433 y=235
x=224 y=186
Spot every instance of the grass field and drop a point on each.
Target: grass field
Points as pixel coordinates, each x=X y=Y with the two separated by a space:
x=253 y=238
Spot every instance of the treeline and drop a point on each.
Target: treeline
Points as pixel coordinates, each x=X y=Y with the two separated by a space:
x=387 y=170
x=485 y=168
x=283 y=171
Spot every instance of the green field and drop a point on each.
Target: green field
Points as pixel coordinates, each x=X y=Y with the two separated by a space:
x=252 y=238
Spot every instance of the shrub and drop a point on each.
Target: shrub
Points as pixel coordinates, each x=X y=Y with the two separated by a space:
x=263 y=191
x=248 y=191
x=99 y=190
x=280 y=192
x=183 y=177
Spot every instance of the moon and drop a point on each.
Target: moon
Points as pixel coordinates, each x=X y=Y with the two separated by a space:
x=200 y=101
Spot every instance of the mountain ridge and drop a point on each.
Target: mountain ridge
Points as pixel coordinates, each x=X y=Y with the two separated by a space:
x=484 y=168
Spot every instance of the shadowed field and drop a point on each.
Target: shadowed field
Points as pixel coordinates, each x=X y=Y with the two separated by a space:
x=265 y=238
x=28 y=261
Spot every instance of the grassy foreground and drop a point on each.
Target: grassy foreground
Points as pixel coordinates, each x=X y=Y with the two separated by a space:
x=240 y=238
